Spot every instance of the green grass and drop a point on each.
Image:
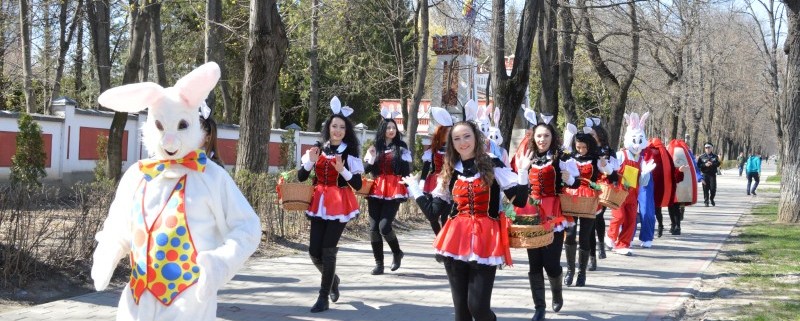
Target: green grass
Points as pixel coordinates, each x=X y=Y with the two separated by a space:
x=774 y=179
x=769 y=258
x=768 y=190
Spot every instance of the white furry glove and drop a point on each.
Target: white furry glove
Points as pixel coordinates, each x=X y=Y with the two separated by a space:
x=105 y=259
x=648 y=167
x=209 y=281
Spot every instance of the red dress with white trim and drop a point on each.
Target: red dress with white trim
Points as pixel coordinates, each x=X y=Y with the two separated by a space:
x=437 y=160
x=331 y=201
x=388 y=185
x=545 y=178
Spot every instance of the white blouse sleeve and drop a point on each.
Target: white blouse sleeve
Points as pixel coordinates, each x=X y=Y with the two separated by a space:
x=306 y=161
x=427 y=156
x=355 y=165
x=505 y=177
x=441 y=191
x=406 y=155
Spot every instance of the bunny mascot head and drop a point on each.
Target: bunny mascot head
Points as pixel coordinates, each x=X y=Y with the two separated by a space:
x=635 y=137
x=175 y=271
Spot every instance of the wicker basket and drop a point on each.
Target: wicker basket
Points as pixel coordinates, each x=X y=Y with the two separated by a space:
x=296 y=196
x=366 y=185
x=529 y=236
x=578 y=206
x=612 y=196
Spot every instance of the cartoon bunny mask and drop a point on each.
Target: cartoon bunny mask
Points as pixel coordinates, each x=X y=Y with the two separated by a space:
x=635 y=137
x=173 y=127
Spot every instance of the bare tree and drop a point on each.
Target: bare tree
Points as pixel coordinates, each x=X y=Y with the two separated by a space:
x=313 y=103
x=266 y=52
x=25 y=44
x=130 y=75
x=618 y=88
x=215 y=51
x=64 y=40
x=789 y=205
x=567 y=40
x=422 y=23
x=548 y=58
x=78 y=62
x=99 y=12
x=509 y=90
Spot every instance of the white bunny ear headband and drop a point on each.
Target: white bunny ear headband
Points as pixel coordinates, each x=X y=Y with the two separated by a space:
x=471 y=111
x=530 y=115
x=387 y=114
x=336 y=108
x=441 y=116
x=591 y=122
x=205 y=111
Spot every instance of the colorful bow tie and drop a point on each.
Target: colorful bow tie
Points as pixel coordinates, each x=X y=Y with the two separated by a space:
x=151 y=168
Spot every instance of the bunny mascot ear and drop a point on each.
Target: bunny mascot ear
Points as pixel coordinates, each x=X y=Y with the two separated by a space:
x=131 y=98
x=643 y=119
x=441 y=116
x=471 y=110
x=634 y=120
x=195 y=86
x=386 y=113
x=497 y=117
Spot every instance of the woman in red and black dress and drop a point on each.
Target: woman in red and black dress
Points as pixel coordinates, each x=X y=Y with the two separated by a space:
x=337 y=167
x=474 y=240
x=433 y=159
x=389 y=160
x=590 y=166
x=547 y=174
x=597 y=246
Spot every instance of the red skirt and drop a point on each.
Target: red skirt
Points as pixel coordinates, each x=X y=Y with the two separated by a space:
x=475 y=238
x=430 y=182
x=333 y=203
x=389 y=187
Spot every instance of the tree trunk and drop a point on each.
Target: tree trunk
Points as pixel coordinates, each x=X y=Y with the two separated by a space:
x=129 y=76
x=565 y=62
x=313 y=101
x=25 y=44
x=79 y=56
x=3 y=17
x=156 y=44
x=266 y=52
x=144 y=64
x=789 y=204
x=617 y=89
x=548 y=58
x=509 y=90
x=100 y=28
x=421 y=75
x=45 y=53
x=215 y=51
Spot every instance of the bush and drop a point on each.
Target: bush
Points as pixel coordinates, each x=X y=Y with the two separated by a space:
x=728 y=164
x=287 y=150
x=27 y=164
x=100 y=166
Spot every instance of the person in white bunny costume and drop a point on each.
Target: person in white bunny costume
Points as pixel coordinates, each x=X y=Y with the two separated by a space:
x=180 y=219
x=488 y=126
x=623 y=221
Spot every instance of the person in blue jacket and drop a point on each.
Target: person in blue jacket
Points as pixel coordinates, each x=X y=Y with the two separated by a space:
x=753 y=169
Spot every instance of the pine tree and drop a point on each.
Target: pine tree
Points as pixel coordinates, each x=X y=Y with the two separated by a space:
x=27 y=164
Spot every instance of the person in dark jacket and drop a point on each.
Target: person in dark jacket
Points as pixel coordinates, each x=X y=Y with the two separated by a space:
x=708 y=163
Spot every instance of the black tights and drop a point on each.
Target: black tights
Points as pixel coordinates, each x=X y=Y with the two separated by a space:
x=471 y=285
x=583 y=228
x=382 y=214
x=548 y=257
x=599 y=232
x=324 y=234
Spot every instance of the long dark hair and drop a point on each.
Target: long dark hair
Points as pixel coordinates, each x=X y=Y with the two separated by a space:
x=602 y=137
x=482 y=159
x=591 y=145
x=349 y=134
x=380 y=146
x=210 y=143
x=555 y=142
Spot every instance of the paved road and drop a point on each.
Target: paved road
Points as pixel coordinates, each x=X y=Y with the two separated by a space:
x=646 y=286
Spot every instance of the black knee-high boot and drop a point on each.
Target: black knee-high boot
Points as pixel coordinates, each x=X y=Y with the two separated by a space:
x=327 y=281
x=555 y=289
x=570 y=250
x=537 y=291
x=377 y=252
x=397 y=254
x=583 y=259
